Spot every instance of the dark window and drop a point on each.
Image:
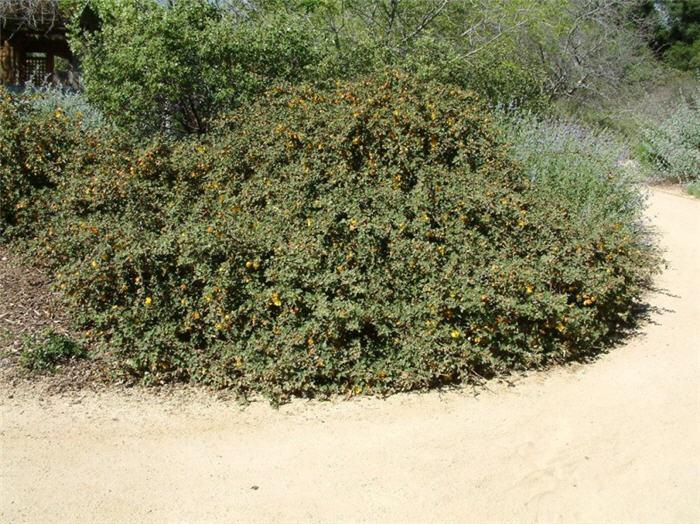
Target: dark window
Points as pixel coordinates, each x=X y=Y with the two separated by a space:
x=36 y=67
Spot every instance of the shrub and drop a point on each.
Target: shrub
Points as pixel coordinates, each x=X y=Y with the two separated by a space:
x=40 y=134
x=47 y=100
x=48 y=350
x=375 y=237
x=694 y=189
x=493 y=73
x=572 y=162
x=155 y=68
x=35 y=147
x=671 y=147
x=673 y=30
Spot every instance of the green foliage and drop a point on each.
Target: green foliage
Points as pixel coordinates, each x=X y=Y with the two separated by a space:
x=36 y=143
x=496 y=74
x=694 y=189
x=684 y=56
x=473 y=45
x=671 y=146
x=156 y=68
x=551 y=150
x=374 y=237
x=675 y=31
x=175 y=67
x=514 y=52
x=48 y=350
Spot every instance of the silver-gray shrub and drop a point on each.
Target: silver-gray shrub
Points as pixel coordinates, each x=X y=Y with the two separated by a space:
x=671 y=146
x=588 y=167
x=72 y=103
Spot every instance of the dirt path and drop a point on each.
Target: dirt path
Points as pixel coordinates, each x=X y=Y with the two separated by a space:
x=617 y=440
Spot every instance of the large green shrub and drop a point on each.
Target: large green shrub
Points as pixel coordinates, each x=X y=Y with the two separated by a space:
x=172 y=68
x=374 y=237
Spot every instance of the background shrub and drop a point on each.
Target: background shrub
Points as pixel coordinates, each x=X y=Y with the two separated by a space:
x=174 y=67
x=671 y=146
x=374 y=237
x=46 y=100
x=582 y=165
x=153 y=68
x=674 y=31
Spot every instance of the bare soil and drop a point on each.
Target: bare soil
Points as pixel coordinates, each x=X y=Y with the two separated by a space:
x=28 y=307
x=616 y=440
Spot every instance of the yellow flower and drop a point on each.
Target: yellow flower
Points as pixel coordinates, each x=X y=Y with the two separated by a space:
x=148 y=301
x=93 y=263
x=455 y=333
x=276 y=300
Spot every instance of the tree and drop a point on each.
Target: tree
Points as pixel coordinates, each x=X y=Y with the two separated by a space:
x=674 y=31
x=173 y=68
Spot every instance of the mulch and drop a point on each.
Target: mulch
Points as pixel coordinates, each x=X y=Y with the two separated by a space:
x=29 y=306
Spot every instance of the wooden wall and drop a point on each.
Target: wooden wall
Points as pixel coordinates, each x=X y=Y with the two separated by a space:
x=9 y=64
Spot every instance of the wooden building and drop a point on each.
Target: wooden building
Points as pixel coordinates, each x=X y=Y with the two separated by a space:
x=33 y=44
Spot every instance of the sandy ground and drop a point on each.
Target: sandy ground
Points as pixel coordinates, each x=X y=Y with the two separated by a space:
x=617 y=440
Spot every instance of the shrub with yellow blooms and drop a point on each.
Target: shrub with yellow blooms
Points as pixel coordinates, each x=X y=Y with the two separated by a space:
x=369 y=238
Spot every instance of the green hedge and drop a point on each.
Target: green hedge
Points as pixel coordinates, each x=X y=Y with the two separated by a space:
x=375 y=237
